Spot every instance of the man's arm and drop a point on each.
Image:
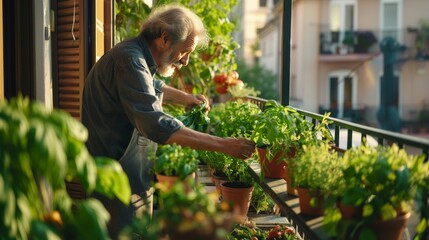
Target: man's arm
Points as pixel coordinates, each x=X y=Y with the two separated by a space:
x=235 y=147
x=173 y=95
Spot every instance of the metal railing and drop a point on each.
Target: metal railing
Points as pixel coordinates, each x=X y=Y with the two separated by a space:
x=412 y=145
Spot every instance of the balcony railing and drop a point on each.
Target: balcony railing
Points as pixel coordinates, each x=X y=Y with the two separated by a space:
x=348 y=42
x=311 y=227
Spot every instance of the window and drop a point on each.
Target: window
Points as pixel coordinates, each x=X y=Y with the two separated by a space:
x=342 y=18
x=341 y=93
x=391 y=19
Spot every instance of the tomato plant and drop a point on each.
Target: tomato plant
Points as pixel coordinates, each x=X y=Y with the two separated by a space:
x=221 y=88
x=279 y=232
x=220 y=78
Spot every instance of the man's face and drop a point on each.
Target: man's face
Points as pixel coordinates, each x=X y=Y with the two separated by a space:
x=176 y=56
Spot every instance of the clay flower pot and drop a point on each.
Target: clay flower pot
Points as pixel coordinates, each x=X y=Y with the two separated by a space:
x=305 y=195
x=239 y=194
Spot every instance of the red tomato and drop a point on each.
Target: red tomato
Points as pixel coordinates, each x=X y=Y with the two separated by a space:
x=220 y=78
x=221 y=88
x=275 y=235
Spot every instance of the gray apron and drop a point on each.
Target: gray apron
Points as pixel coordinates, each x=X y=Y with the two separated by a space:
x=136 y=164
x=139 y=169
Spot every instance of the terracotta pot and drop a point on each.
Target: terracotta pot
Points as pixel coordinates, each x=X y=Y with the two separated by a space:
x=392 y=229
x=289 y=188
x=223 y=222
x=349 y=212
x=218 y=179
x=305 y=196
x=271 y=168
x=239 y=194
x=171 y=180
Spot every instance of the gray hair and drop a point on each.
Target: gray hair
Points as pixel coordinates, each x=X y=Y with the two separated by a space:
x=177 y=21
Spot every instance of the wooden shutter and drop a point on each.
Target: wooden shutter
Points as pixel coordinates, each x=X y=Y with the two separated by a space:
x=69 y=56
x=68 y=65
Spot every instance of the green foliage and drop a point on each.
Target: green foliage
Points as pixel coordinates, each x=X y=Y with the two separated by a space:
x=382 y=181
x=316 y=168
x=194 y=213
x=261 y=79
x=234 y=119
x=196 y=118
x=282 y=129
x=40 y=149
x=174 y=160
x=261 y=201
x=129 y=15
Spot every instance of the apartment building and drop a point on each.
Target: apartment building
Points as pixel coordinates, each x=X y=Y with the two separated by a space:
x=249 y=16
x=346 y=55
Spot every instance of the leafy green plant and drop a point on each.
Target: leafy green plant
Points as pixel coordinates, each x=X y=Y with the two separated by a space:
x=196 y=118
x=40 y=150
x=235 y=119
x=383 y=181
x=316 y=168
x=129 y=15
x=261 y=201
x=183 y=214
x=174 y=160
x=278 y=232
x=281 y=129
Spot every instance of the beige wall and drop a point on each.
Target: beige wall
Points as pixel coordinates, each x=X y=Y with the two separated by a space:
x=305 y=52
x=254 y=17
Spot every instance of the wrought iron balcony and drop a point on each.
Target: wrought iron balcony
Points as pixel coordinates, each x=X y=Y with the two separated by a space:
x=348 y=42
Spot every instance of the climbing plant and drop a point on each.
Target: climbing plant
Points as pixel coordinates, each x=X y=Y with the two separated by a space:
x=218 y=56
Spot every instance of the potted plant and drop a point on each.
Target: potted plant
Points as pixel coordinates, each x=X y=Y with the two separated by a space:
x=186 y=215
x=314 y=172
x=364 y=41
x=384 y=182
x=422 y=41
x=173 y=162
x=274 y=135
x=40 y=150
x=280 y=132
x=349 y=41
x=234 y=119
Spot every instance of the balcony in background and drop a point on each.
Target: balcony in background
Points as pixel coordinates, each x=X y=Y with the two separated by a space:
x=349 y=46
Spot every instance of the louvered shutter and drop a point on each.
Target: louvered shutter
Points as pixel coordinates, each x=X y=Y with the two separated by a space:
x=68 y=63
x=70 y=56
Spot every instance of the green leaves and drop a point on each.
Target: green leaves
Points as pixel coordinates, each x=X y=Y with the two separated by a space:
x=196 y=118
x=91 y=213
x=111 y=180
x=174 y=160
x=40 y=149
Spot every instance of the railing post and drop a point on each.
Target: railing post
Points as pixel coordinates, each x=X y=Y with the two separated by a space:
x=286 y=36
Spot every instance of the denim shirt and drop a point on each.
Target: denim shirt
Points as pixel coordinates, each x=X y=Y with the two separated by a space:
x=120 y=96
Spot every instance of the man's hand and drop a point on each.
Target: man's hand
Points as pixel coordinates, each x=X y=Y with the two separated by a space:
x=196 y=99
x=239 y=147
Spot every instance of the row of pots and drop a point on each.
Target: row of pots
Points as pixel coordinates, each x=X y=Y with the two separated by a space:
x=311 y=202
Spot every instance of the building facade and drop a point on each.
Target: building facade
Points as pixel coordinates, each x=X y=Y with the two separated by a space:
x=341 y=60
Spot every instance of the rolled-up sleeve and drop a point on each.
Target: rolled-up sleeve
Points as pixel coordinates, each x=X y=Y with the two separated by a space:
x=138 y=95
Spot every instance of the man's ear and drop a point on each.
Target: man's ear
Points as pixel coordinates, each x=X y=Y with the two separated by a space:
x=165 y=39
